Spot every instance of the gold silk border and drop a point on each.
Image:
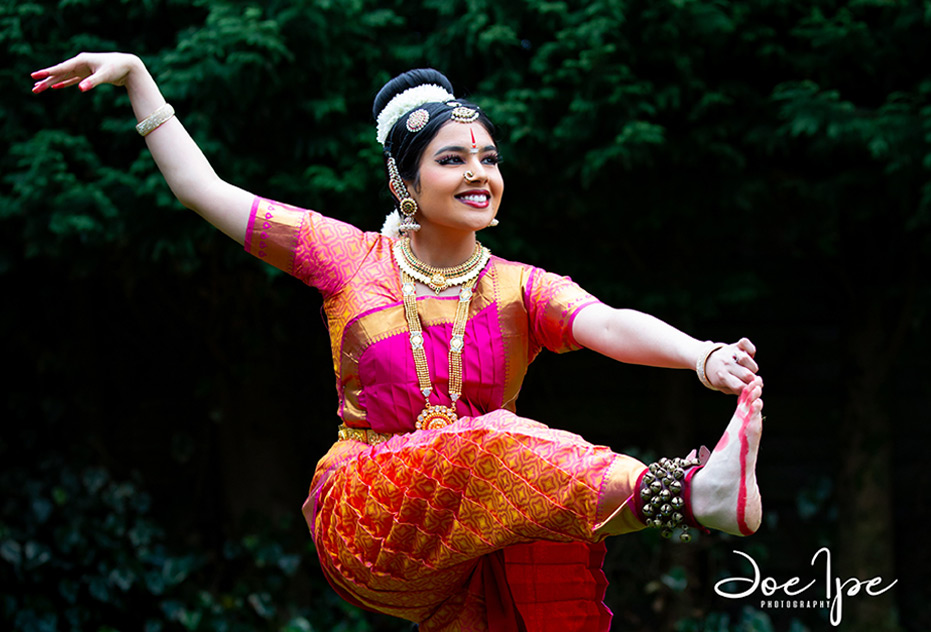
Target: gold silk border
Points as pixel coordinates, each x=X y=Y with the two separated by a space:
x=272 y=236
x=380 y=325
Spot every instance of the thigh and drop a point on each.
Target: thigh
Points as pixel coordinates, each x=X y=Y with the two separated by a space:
x=433 y=500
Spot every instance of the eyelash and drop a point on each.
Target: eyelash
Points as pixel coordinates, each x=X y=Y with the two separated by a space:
x=491 y=159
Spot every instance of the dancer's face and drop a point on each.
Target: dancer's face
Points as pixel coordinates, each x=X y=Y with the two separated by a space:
x=446 y=199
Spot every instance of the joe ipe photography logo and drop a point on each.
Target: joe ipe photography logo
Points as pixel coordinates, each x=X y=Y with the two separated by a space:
x=821 y=591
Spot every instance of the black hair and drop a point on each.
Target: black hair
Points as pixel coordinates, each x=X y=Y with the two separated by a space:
x=407 y=147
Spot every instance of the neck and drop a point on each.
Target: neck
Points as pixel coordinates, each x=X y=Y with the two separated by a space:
x=443 y=250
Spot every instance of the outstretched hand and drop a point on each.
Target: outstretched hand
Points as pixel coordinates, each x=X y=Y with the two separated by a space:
x=87 y=70
x=732 y=367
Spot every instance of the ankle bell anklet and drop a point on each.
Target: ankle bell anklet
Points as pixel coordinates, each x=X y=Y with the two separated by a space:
x=662 y=492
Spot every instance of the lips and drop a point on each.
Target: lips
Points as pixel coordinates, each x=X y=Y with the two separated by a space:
x=478 y=199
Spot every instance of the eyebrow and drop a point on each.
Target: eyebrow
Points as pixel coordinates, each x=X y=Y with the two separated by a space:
x=461 y=149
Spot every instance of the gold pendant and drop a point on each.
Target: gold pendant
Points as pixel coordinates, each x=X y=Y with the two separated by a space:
x=438 y=282
x=435 y=417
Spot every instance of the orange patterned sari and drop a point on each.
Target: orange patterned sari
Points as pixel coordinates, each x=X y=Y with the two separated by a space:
x=487 y=524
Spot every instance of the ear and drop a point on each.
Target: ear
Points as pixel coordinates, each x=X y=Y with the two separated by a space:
x=400 y=195
x=394 y=191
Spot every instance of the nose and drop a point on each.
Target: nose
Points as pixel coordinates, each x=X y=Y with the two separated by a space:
x=477 y=167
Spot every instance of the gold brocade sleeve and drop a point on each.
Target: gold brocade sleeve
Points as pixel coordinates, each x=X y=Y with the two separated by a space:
x=552 y=304
x=321 y=251
x=272 y=233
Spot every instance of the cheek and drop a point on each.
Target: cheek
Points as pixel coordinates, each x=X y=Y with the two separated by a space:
x=500 y=185
x=428 y=182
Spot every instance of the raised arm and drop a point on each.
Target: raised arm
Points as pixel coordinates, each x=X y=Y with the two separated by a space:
x=637 y=338
x=182 y=163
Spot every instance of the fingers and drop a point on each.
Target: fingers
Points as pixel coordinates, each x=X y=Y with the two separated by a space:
x=87 y=70
x=743 y=352
x=730 y=383
x=732 y=367
x=746 y=360
x=67 y=83
x=744 y=344
x=43 y=80
x=62 y=75
x=51 y=82
x=49 y=78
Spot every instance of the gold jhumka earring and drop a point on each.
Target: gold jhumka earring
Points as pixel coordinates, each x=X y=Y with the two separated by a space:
x=406 y=204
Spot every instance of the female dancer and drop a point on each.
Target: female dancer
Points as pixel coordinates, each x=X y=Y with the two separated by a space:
x=437 y=503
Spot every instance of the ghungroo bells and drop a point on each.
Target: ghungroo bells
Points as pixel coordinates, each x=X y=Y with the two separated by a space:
x=661 y=493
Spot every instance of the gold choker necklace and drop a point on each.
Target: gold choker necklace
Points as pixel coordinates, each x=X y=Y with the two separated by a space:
x=436 y=278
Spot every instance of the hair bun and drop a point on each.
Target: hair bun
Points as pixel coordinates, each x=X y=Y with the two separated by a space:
x=407 y=80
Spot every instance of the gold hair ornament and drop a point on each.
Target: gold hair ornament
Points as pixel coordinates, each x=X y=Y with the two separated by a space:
x=417 y=120
x=405 y=102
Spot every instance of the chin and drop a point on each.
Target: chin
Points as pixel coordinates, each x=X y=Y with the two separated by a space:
x=482 y=221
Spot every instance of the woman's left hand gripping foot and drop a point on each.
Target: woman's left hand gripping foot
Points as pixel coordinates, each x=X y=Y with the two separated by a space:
x=725 y=495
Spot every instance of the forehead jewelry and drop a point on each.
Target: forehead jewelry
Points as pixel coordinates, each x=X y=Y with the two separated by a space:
x=474 y=149
x=462 y=114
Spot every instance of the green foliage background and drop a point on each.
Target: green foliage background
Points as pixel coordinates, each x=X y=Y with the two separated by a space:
x=755 y=168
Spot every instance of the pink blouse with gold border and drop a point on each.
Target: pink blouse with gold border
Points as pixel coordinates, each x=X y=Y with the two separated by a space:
x=516 y=311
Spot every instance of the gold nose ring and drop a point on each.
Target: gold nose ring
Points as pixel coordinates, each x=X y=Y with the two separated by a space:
x=469 y=176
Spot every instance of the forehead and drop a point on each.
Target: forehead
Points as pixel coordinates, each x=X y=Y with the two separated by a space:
x=460 y=134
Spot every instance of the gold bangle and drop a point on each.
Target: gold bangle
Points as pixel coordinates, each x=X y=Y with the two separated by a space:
x=710 y=348
x=152 y=122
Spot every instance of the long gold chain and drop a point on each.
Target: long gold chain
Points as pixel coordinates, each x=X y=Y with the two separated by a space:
x=436 y=416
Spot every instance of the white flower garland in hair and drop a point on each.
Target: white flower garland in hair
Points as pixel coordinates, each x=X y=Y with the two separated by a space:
x=392 y=226
x=407 y=101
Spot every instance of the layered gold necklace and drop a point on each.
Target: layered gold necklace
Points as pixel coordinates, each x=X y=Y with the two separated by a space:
x=436 y=416
x=438 y=279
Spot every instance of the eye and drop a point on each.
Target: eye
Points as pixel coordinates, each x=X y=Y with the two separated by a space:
x=451 y=159
x=492 y=159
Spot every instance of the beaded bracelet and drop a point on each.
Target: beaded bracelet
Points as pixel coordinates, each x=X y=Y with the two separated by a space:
x=152 y=122
x=710 y=348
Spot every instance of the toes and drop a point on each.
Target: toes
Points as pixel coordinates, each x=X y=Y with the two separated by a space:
x=751 y=392
x=746 y=397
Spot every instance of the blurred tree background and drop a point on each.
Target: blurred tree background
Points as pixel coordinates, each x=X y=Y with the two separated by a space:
x=756 y=168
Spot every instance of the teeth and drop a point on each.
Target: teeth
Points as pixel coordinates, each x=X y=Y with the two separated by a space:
x=474 y=198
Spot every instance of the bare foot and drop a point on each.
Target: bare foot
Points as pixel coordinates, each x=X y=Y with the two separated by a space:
x=725 y=495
